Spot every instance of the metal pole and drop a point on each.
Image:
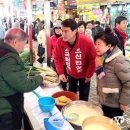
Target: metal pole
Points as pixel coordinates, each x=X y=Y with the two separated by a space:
x=47 y=30
x=29 y=17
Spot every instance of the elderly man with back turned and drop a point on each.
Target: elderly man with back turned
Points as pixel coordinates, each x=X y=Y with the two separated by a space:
x=13 y=80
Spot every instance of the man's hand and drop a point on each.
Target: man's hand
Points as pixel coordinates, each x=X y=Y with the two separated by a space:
x=62 y=78
x=87 y=80
x=123 y=107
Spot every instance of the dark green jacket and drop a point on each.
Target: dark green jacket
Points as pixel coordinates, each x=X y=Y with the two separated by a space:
x=13 y=79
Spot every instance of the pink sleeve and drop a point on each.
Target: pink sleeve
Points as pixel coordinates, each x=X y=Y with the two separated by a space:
x=58 y=58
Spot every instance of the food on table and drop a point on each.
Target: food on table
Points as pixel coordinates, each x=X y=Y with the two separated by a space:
x=83 y=111
x=97 y=126
x=62 y=100
x=47 y=82
x=100 y=123
x=51 y=75
x=52 y=79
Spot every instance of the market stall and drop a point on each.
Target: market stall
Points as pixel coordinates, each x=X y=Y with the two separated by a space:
x=90 y=11
x=36 y=116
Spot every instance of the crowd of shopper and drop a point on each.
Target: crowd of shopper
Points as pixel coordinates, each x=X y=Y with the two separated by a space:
x=78 y=50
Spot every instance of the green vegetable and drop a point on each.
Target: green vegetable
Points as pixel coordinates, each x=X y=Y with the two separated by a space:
x=25 y=56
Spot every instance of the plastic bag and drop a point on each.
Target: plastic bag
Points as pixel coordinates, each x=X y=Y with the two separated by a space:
x=41 y=50
x=53 y=123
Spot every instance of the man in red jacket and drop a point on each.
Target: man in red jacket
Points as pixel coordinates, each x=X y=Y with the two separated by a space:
x=78 y=53
x=120 y=31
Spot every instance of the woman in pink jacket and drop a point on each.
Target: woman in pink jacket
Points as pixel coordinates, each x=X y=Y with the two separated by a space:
x=53 y=42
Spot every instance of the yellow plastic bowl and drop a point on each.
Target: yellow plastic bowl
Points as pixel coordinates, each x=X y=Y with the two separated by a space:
x=99 y=123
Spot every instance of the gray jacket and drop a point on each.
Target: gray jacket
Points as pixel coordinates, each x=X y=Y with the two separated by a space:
x=114 y=87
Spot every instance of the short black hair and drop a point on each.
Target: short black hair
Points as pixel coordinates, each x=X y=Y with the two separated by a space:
x=107 y=36
x=89 y=22
x=82 y=23
x=119 y=19
x=76 y=16
x=71 y=23
x=97 y=22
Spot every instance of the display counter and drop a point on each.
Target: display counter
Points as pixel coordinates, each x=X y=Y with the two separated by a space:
x=34 y=113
